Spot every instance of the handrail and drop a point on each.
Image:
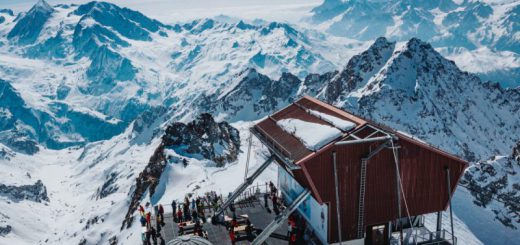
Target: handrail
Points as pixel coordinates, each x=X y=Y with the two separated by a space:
x=435 y=237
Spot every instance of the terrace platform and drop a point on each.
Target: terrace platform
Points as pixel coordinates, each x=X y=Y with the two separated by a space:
x=218 y=234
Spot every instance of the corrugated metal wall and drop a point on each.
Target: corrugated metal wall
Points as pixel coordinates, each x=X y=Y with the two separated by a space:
x=422 y=171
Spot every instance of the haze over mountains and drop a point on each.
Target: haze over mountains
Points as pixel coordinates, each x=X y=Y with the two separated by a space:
x=88 y=91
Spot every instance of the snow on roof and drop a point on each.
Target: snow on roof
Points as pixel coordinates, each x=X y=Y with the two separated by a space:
x=336 y=121
x=313 y=135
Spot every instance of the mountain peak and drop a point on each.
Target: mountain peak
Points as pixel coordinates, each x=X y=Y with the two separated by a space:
x=42 y=5
x=381 y=43
x=28 y=28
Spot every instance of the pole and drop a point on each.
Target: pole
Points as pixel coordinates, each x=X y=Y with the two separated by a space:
x=448 y=179
x=337 y=195
x=398 y=187
x=439 y=224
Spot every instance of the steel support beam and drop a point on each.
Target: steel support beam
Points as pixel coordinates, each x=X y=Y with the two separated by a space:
x=281 y=218
x=439 y=225
x=337 y=195
x=249 y=180
x=448 y=179
x=350 y=142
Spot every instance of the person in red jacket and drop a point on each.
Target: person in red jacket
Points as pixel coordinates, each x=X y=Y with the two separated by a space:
x=179 y=215
x=232 y=235
x=149 y=219
x=141 y=210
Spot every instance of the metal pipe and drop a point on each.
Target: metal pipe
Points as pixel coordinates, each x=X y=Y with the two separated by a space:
x=364 y=140
x=337 y=195
x=451 y=208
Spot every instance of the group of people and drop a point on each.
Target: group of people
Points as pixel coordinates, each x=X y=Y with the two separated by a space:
x=150 y=234
x=193 y=210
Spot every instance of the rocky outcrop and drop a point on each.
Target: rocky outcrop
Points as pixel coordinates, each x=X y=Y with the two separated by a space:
x=36 y=192
x=497 y=180
x=4 y=230
x=202 y=138
x=110 y=186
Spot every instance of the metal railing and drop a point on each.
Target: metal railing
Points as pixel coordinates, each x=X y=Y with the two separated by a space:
x=435 y=237
x=268 y=139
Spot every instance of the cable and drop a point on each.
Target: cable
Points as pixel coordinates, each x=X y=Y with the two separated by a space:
x=396 y=160
x=250 y=140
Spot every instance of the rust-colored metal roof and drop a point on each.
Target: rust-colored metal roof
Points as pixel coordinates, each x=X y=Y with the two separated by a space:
x=287 y=144
x=295 y=150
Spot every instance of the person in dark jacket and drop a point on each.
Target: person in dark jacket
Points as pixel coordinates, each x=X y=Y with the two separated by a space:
x=153 y=234
x=174 y=211
x=194 y=215
x=161 y=214
x=249 y=230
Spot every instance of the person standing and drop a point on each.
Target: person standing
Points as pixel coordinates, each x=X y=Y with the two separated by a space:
x=179 y=215
x=153 y=235
x=232 y=235
x=161 y=214
x=275 y=204
x=249 y=230
x=174 y=210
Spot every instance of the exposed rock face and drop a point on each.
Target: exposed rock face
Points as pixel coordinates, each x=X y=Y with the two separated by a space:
x=497 y=180
x=202 y=138
x=359 y=69
x=253 y=95
x=4 y=230
x=28 y=28
x=35 y=193
x=108 y=187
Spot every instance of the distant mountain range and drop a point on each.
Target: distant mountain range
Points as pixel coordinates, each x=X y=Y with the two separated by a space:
x=478 y=29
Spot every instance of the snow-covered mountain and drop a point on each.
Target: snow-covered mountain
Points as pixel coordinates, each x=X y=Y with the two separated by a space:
x=99 y=102
x=410 y=87
x=484 y=30
x=118 y=63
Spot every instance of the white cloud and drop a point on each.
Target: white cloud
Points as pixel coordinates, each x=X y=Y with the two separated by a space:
x=183 y=10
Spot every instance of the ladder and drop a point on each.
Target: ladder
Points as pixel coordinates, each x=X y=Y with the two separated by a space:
x=361 y=204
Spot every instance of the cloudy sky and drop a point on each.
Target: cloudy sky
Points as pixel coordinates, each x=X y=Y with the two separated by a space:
x=182 y=10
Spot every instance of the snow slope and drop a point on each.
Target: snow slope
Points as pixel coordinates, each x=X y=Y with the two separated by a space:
x=108 y=65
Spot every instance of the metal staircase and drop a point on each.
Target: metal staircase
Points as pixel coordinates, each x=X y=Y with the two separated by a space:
x=361 y=204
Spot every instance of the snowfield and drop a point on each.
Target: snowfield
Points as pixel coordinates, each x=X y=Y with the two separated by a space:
x=87 y=91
